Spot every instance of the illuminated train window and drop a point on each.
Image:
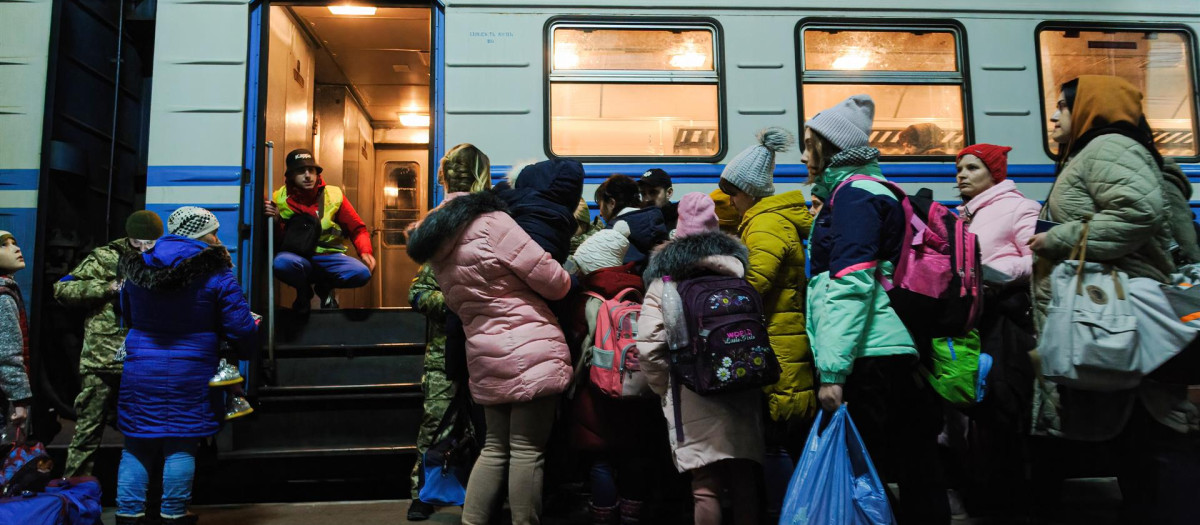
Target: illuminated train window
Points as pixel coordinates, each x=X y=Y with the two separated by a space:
x=1158 y=62
x=620 y=90
x=914 y=74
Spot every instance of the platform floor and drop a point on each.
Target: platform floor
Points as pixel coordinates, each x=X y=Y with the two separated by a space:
x=1092 y=501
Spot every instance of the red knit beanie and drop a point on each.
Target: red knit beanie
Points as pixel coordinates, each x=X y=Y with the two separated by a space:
x=993 y=156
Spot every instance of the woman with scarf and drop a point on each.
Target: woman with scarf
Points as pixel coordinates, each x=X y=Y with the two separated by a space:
x=305 y=193
x=1109 y=171
x=864 y=355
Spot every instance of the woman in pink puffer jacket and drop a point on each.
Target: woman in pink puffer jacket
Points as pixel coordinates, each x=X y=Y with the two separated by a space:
x=497 y=279
x=999 y=215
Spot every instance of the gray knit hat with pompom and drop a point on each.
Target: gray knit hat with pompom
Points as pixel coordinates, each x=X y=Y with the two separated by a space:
x=753 y=170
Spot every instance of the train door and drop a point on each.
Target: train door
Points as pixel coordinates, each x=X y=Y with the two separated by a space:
x=352 y=84
x=401 y=199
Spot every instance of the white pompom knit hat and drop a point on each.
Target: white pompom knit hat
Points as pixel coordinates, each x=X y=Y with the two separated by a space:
x=604 y=249
x=753 y=170
x=192 y=222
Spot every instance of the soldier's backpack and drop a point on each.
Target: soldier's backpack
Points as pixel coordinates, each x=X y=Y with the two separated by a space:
x=936 y=288
x=614 y=364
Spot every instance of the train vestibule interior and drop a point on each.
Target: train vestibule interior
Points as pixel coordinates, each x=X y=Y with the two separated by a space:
x=352 y=84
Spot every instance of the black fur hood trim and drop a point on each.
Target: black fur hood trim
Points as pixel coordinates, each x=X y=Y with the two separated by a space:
x=443 y=224
x=212 y=259
x=678 y=258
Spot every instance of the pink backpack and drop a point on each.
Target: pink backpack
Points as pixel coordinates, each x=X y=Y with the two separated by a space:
x=614 y=364
x=936 y=288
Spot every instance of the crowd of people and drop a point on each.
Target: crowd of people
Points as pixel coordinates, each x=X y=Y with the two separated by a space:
x=516 y=279
x=530 y=305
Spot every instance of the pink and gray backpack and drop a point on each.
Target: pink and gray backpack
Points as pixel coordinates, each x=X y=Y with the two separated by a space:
x=936 y=288
x=614 y=366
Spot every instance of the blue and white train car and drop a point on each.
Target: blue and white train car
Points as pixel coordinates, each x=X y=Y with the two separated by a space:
x=177 y=107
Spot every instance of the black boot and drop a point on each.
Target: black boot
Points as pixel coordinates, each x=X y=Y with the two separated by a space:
x=128 y=520
x=420 y=511
x=188 y=519
x=303 y=303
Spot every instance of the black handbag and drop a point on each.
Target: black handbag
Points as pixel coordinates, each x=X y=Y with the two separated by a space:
x=302 y=231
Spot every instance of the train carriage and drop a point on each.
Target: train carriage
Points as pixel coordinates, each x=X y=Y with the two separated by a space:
x=178 y=108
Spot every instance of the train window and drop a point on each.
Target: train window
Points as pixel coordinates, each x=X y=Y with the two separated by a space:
x=1158 y=62
x=914 y=74
x=622 y=91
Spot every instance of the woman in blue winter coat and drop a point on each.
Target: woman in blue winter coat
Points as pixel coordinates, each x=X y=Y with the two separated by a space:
x=180 y=299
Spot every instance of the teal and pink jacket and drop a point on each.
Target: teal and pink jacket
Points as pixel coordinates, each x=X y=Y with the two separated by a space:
x=856 y=235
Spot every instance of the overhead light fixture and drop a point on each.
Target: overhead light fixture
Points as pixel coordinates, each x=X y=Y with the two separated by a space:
x=565 y=56
x=411 y=120
x=854 y=58
x=688 y=57
x=352 y=10
x=690 y=60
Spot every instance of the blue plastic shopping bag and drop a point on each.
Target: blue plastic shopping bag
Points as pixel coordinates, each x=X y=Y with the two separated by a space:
x=835 y=482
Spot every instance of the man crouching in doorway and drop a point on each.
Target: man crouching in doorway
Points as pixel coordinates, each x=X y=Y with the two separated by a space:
x=313 y=219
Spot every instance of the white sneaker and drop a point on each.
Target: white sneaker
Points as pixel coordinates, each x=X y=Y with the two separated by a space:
x=226 y=375
x=238 y=407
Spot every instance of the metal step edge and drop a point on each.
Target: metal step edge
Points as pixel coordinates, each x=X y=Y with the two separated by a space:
x=318 y=397
x=294 y=390
x=286 y=452
x=304 y=350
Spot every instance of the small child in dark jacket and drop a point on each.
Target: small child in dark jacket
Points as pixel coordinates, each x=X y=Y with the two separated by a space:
x=621 y=434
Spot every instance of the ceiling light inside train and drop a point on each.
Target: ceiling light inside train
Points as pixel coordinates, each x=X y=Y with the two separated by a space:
x=410 y=120
x=689 y=60
x=565 y=56
x=854 y=58
x=352 y=10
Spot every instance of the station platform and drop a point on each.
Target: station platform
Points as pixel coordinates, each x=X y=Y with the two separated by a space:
x=1091 y=501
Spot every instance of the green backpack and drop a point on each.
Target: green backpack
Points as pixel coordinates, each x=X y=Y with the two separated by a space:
x=959 y=371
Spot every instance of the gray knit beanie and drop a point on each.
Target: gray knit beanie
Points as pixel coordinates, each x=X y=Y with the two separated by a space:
x=848 y=124
x=192 y=222
x=753 y=170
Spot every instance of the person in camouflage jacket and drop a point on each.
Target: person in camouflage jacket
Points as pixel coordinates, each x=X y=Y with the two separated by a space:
x=94 y=285
x=464 y=169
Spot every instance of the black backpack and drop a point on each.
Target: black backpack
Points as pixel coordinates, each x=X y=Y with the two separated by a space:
x=302 y=231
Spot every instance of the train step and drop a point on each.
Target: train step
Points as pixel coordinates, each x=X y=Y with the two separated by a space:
x=346 y=382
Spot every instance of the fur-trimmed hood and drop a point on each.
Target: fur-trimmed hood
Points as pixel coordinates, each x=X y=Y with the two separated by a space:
x=174 y=263
x=681 y=258
x=445 y=222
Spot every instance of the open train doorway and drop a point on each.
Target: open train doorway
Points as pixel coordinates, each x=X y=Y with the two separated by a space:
x=351 y=84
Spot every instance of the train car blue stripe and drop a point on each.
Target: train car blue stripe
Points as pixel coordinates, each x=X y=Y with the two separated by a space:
x=194 y=176
x=794 y=173
x=13 y=179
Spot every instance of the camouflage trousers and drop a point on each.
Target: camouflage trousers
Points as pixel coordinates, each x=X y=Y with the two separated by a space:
x=439 y=392
x=95 y=406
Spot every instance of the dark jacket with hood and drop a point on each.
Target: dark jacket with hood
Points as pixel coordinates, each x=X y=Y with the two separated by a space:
x=180 y=300
x=542 y=199
x=647 y=229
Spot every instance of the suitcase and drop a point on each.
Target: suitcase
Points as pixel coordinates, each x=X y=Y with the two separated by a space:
x=73 y=501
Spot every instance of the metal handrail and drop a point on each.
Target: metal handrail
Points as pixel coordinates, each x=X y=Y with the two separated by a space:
x=271 y=262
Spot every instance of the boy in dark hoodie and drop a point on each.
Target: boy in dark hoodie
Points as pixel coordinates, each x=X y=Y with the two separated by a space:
x=542 y=198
